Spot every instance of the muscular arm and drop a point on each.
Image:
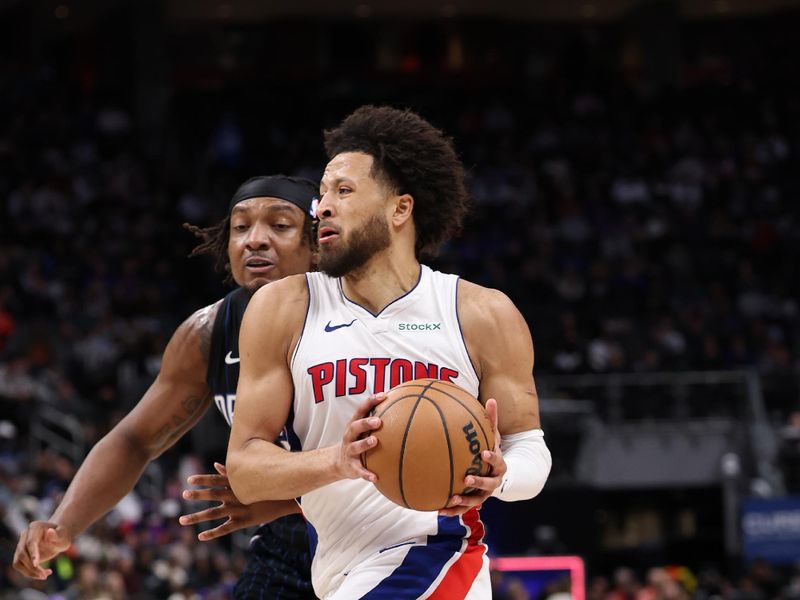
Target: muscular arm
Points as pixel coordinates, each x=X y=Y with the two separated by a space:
x=174 y=402
x=499 y=343
x=257 y=468
x=500 y=347
x=172 y=405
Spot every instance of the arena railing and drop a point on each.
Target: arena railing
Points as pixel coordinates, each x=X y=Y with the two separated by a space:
x=612 y=400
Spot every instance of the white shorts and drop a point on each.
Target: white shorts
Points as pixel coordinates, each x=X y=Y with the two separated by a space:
x=439 y=568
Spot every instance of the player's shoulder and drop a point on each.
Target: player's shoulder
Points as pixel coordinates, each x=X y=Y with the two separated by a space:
x=189 y=349
x=492 y=325
x=201 y=321
x=285 y=288
x=281 y=298
x=483 y=301
x=275 y=314
x=483 y=310
x=204 y=317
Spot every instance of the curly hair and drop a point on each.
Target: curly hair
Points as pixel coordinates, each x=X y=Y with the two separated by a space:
x=412 y=157
x=214 y=243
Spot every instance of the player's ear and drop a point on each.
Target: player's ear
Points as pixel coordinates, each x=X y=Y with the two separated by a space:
x=403 y=207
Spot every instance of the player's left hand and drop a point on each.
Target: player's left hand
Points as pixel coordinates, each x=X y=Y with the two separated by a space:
x=483 y=486
x=237 y=515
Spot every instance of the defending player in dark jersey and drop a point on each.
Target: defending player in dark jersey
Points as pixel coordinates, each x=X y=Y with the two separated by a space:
x=266 y=236
x=279 y=562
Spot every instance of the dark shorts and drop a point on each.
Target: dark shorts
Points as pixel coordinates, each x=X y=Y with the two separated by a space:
x=278 y=563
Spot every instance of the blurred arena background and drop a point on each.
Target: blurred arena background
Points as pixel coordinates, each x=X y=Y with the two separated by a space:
x=635 y=169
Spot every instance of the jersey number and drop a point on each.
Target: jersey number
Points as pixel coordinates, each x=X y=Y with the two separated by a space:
x=225 y=405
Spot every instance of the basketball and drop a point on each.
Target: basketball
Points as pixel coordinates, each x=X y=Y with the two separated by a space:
x=431 y=437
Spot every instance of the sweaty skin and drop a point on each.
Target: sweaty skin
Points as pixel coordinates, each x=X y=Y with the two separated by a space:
x=267 y=242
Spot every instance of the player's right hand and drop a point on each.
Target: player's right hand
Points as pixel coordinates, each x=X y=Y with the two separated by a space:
x=482 y=486
x=356 y=440
x=237 y=515
x=40 y=542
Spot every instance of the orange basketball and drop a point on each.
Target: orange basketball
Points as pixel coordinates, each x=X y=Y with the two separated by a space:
x=431 y=437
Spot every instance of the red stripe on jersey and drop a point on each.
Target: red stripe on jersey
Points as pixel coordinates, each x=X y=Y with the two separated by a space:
x=462 y=573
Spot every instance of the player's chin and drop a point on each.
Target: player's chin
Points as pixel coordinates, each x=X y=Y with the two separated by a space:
x=256 y=282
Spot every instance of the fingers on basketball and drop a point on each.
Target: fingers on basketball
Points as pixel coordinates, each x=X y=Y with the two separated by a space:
x=432 y=436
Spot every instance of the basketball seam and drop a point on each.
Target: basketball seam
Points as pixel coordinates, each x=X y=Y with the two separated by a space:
x=449 y=446
x=403 y=449
x=465 y=407
x=365 y=455
x=420 y=396
x=390 y=404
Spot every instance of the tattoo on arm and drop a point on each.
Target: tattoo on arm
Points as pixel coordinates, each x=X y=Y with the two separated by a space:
x=170 y=432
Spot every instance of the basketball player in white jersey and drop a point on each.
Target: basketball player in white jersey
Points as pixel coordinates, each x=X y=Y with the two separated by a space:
x=318 y=350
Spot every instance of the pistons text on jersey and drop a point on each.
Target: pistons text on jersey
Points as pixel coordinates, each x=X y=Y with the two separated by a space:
x=349 y=376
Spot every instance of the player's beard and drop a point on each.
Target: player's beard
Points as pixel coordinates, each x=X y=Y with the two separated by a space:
x=364 y=243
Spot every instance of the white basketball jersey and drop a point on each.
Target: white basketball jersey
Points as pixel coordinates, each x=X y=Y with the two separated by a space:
x=345 y=354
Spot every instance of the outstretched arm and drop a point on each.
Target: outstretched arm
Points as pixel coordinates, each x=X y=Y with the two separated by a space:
x=257 y=468
x=171 y=406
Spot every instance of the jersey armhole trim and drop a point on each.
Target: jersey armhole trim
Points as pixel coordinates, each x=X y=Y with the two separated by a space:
x=218 y=335
x=305 y=321
x=463 y=339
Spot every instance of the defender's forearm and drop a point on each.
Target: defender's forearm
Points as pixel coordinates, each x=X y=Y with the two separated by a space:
x=109 y=472
x=269 y=510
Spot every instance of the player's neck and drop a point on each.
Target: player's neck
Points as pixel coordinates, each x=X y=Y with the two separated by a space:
x=383 y=279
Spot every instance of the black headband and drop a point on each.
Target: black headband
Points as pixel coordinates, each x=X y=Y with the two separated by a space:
x=300 y=192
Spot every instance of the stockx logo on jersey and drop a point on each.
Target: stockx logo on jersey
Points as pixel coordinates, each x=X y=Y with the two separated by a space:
x=349 y=376
x=419 y=326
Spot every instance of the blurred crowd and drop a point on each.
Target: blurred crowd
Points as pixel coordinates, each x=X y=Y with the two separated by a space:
x=642 y=235
x=637 y=230
x=138 y=551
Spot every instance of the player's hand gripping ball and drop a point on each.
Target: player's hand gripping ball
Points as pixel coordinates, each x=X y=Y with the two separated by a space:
x=432 y=436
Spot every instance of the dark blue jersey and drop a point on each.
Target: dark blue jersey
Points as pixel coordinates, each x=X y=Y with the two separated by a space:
x=279 y=563
x=223 y=360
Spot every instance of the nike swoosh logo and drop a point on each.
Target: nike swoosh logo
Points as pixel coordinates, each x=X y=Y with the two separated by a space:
x=229 y=360
x=330 y=327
